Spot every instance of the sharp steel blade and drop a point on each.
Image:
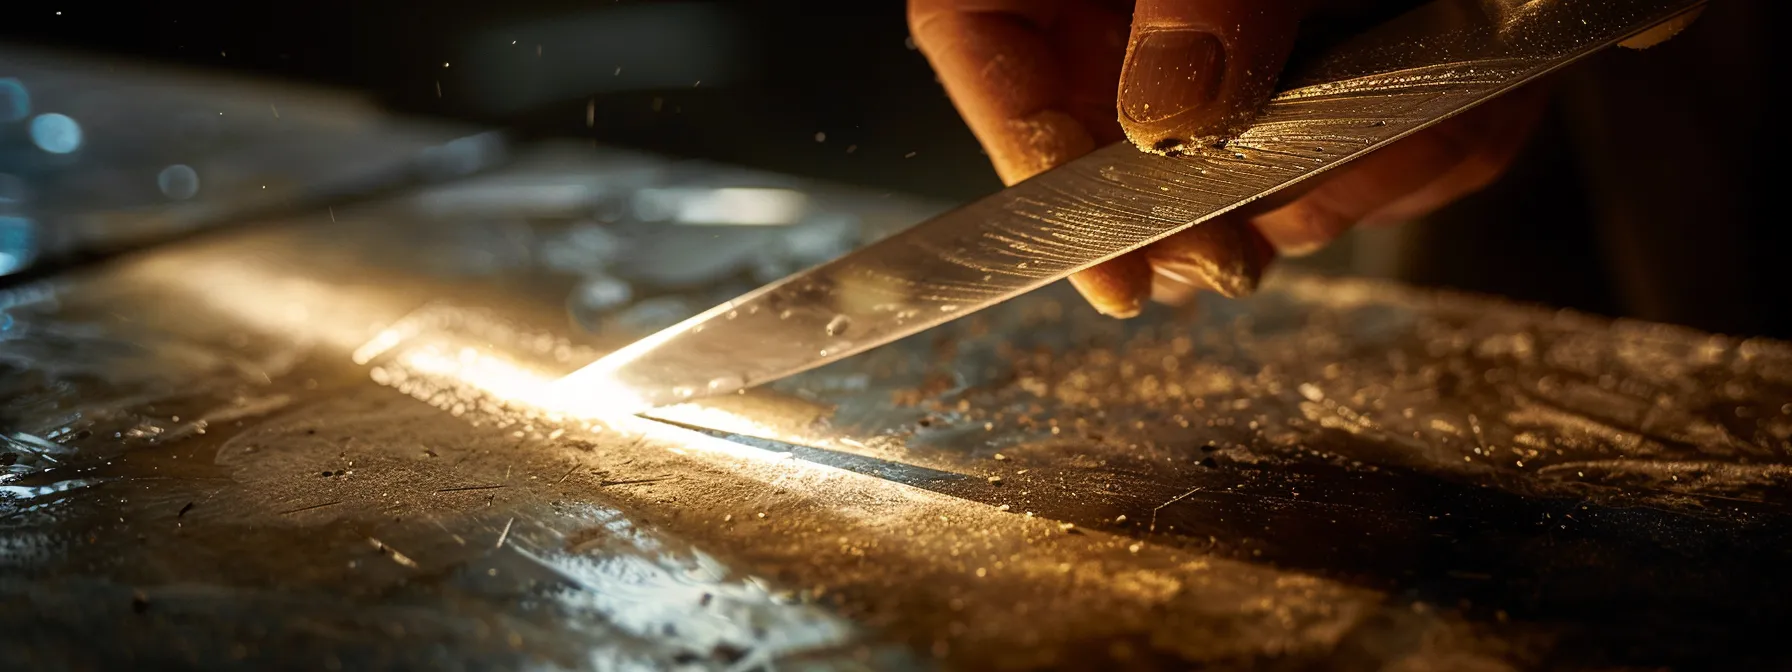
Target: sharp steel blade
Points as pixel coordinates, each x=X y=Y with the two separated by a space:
x=1373 y=89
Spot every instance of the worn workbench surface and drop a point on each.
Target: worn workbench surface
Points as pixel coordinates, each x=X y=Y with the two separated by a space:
x=319 y=444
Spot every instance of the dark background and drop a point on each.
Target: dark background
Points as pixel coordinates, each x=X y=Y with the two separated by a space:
x=746 y=82
x=1643 y=195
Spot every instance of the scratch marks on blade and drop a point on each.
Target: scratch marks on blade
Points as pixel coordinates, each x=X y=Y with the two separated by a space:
x=1427 y=79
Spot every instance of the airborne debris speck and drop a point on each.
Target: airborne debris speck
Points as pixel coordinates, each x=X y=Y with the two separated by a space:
x=838 y=325
x=503 y=535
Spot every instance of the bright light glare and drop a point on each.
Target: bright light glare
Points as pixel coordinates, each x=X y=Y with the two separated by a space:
x=488 y=374
x=514 y=384
x=734 y=206
x=600 y=376
x=260 y=296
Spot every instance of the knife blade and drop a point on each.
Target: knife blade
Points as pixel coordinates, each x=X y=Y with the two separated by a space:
x=1365 y=92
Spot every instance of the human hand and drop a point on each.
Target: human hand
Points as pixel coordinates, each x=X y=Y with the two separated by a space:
x=1035 y=80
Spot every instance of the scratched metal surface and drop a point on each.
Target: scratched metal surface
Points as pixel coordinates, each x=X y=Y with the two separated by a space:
x=1356 y=97
x=320 y=444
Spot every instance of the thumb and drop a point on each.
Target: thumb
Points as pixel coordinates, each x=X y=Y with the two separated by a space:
x=1196 y=68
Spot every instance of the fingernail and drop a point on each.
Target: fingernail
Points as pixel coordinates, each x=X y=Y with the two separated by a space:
x=1169 y=71
x=1171 y=289
x=1225 y=256
x=1299 y=247
x=1202 y=274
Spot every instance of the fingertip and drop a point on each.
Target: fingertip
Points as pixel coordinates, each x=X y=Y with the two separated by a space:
x=1033 y=144
x=1005 y=79
x=1302 y=227
x=1117 y=288
x=1226 y=256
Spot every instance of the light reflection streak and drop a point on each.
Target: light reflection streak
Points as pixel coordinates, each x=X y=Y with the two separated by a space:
x=430 y=343
x=728 y=206
x=599 y=379
x=257 y=294
x=452 y=356
x=514 y=384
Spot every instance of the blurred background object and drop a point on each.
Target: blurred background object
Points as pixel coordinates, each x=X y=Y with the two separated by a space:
x=98 y=156
x=1643 y=195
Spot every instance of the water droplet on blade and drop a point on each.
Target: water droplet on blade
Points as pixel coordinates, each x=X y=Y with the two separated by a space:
x=839 y=325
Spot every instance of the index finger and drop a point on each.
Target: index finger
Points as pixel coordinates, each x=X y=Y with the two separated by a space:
x=1000 y=72
x=1000 y=63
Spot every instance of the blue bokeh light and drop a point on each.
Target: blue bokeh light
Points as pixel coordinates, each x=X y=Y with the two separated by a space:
x=179 y=182
x=55 y=133
x=15 y=101
x=18 y=244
